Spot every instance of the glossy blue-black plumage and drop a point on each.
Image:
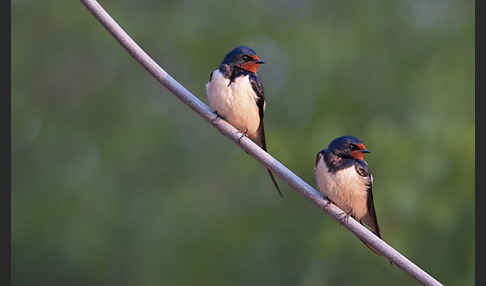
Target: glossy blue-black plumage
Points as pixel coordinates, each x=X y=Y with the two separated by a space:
x=343 y=146
x=236 y=56
x=338 y=155
x=231 y=68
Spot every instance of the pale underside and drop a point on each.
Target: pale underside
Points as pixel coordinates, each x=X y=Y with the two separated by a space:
x=236 y=102
x=346 y=188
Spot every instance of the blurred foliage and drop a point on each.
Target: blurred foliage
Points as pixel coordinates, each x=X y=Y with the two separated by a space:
x=116 y=182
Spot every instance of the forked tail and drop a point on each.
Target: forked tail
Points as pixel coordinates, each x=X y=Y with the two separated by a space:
x=275 y=182
x=370 y=247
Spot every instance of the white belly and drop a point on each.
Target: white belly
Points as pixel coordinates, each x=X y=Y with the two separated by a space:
x=236 y=103
x=346 y=188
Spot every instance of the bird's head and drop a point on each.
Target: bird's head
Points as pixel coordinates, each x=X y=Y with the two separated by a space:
x=348 y=147
x=244 y=58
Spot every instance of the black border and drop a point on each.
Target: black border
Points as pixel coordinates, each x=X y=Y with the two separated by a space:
x=6 y=215
x=476 y=137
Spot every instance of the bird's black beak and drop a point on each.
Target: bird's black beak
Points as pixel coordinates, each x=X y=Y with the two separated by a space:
x=260 y=62
x=365 y=151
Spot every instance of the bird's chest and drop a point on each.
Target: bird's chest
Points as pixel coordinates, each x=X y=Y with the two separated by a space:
x=346 y=188
x=236 y=102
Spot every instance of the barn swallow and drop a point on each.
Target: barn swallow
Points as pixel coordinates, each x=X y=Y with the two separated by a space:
x=236 y=94
x=343 y=176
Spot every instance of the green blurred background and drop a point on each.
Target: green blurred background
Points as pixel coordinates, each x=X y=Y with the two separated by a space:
x=116 y=182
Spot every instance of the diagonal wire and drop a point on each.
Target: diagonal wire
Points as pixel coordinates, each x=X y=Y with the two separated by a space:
x=251 y=148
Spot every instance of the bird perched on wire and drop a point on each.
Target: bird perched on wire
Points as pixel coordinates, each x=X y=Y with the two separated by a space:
x=343 y=176
x=236 y=93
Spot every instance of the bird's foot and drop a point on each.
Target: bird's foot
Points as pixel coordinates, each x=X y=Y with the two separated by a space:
x=344 y=217
x=327 y=203
x=216 y=118
x=245 y=133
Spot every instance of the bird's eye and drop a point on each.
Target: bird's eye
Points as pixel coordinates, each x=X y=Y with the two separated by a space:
x=354 y=147
x=247 y=58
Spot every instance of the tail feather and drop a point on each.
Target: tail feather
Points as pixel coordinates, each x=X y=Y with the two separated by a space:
x=370 y=247
x=260 y=140
x=374 y=250
x=275 y=182
x=376 y=230
x=371 y=222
